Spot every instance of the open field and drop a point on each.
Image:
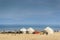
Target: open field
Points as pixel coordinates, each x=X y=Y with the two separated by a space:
x=55 y=36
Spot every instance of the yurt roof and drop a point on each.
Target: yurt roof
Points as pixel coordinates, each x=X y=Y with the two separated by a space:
x=48 y=28
x=30 y=29
x=23 y=29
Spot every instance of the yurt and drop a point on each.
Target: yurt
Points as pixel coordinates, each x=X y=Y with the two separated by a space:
x=49 y=30
x=23 y=30
x=30 y=30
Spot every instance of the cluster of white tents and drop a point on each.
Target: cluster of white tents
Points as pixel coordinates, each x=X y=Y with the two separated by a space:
x=31 y=30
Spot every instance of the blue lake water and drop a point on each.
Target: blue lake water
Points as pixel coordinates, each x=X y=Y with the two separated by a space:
x=36 y=27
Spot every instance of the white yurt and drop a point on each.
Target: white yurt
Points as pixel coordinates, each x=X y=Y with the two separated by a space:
x=49 y=30
x=23 y=30
x=30 y=30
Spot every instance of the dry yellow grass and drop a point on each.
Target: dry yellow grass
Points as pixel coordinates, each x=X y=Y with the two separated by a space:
x=55 y=36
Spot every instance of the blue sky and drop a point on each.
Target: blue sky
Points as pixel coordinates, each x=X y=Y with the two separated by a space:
x=29 y=11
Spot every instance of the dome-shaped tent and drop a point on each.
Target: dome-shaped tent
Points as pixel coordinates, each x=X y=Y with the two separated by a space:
x=23 y=30
x=49 y=30
x=30 y=30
